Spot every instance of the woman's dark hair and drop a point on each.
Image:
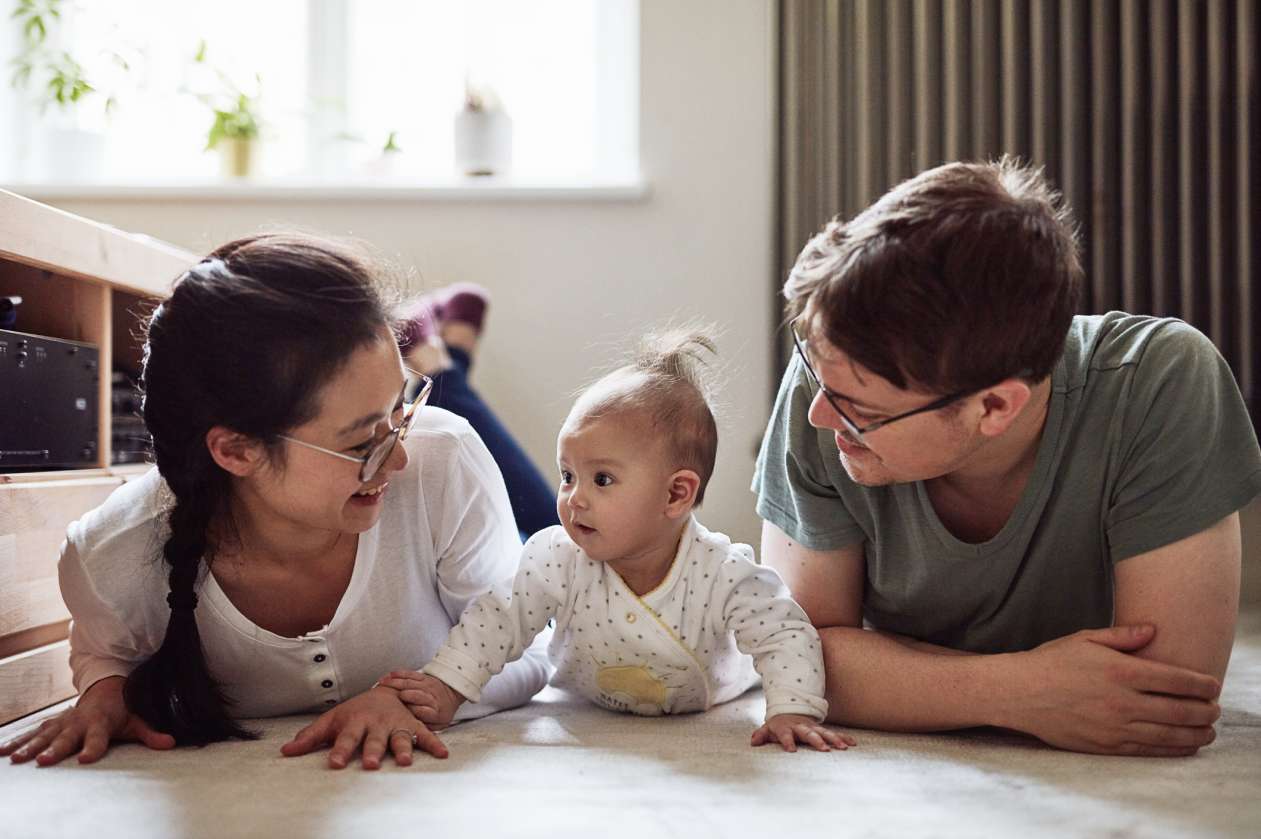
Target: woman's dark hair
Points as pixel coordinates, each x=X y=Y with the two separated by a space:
x=246 y=340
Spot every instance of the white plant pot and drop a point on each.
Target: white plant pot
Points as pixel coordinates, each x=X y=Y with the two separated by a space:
x=483 y=142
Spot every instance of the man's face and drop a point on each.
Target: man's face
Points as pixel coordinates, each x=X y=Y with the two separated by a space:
x=916 y=448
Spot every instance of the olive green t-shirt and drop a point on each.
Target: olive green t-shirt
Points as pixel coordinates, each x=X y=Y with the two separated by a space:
x=1147 y=441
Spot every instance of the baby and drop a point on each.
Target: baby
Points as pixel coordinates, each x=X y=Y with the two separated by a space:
x=654 y=613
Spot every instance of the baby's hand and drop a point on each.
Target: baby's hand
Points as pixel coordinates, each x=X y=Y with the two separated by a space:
x=790 y=729
x=429 y=698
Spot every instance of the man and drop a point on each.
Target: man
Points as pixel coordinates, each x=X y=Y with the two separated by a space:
x=1034 y=514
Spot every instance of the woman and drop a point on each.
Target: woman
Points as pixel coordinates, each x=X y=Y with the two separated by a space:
x=308 y=526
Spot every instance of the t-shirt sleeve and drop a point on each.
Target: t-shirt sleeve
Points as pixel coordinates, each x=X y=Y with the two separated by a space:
x=770 y=626
x=794 y=490
x=1188 y=451
x=105 y=640
x=475 y=537
x=500 y=626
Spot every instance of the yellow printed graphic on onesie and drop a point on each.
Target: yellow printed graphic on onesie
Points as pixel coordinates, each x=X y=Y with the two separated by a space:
x=631 y=688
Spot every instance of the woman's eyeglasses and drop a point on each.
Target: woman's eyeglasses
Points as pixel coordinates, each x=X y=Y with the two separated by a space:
x=414 y=395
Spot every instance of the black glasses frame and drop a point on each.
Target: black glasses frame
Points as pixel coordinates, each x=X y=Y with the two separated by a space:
x=853 y=427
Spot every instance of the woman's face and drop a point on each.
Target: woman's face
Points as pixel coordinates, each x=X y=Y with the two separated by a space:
x=313 y=490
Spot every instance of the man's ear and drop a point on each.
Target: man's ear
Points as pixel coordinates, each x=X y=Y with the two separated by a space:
x=1002 y=404
x=236 y=453
x=684 y=484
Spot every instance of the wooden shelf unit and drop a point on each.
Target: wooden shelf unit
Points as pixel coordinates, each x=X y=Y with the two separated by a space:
x=82 y=281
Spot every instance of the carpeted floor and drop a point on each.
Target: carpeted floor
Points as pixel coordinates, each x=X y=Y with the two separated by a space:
x=559 y=767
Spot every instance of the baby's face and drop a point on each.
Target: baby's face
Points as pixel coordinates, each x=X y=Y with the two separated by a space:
x=614 y=487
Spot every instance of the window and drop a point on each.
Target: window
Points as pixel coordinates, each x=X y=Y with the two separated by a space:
x=336 y=81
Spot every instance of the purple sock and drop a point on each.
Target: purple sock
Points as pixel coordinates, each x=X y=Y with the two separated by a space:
x=465 y=303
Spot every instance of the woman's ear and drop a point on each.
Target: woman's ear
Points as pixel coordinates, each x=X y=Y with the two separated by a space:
x=684 y=484
x=236 y=453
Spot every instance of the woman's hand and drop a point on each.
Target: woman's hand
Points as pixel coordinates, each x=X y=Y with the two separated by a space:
x=1085 y=693
x=790 y=729
x=430 y=699
x=99 y=717
x=374 y=721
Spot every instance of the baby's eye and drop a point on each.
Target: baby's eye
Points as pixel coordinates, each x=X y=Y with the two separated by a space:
x=603 y=479
x=566 y=477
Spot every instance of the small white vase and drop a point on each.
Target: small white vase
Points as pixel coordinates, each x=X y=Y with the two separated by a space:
x=483 y=142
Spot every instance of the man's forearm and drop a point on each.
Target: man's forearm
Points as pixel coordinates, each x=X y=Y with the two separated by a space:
x=878 y=681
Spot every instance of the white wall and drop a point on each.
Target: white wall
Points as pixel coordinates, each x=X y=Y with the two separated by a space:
x=573 y=280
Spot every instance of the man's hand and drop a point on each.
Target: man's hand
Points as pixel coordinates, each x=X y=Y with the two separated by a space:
x=1084 y=692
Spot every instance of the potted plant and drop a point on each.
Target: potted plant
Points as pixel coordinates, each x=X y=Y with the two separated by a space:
x=71 y=143
x=483 y=133
x=236 y=126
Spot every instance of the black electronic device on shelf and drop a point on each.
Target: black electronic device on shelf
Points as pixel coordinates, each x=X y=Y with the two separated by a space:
x=49 y=408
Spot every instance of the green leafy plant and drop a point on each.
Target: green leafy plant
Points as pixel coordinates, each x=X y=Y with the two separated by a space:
x=64 y=82
x=236 y=113
x=238 y=123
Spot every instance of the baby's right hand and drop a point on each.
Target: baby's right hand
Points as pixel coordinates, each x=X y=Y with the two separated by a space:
x=430 y=699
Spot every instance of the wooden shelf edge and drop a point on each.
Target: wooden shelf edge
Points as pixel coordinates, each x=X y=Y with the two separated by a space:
x=126 y=471
x=44 y=237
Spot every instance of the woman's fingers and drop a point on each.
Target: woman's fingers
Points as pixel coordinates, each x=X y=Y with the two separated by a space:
x=309 y=739
x=401 y=746
x=22 y=739
x=38 y=742
x=374 y=746
x=138 y=729
x=430 y=742
x=345 y=745
x=95 y=744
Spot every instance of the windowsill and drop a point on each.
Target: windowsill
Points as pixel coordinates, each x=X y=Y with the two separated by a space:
x=494 y=189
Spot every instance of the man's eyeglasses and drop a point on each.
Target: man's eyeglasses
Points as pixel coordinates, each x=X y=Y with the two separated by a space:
x=415 y=393
x=852 y=427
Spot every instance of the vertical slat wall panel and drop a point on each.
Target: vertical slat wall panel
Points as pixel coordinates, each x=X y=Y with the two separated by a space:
x=1247 y=208
x=927 y=55
x=1191 y=113
x=1144 y=113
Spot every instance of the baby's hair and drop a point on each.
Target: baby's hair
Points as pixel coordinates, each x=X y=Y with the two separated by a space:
x=671 y=390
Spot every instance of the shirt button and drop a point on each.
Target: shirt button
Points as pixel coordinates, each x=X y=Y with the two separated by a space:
x=328 y=683
x=319 y=657
x=630 y=617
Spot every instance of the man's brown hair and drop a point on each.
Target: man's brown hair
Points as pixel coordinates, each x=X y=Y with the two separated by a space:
x=959 y=278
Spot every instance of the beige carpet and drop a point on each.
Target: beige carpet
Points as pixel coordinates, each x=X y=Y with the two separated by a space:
x=560 y=767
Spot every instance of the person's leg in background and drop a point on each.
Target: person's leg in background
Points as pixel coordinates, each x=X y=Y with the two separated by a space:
x=440 y=336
